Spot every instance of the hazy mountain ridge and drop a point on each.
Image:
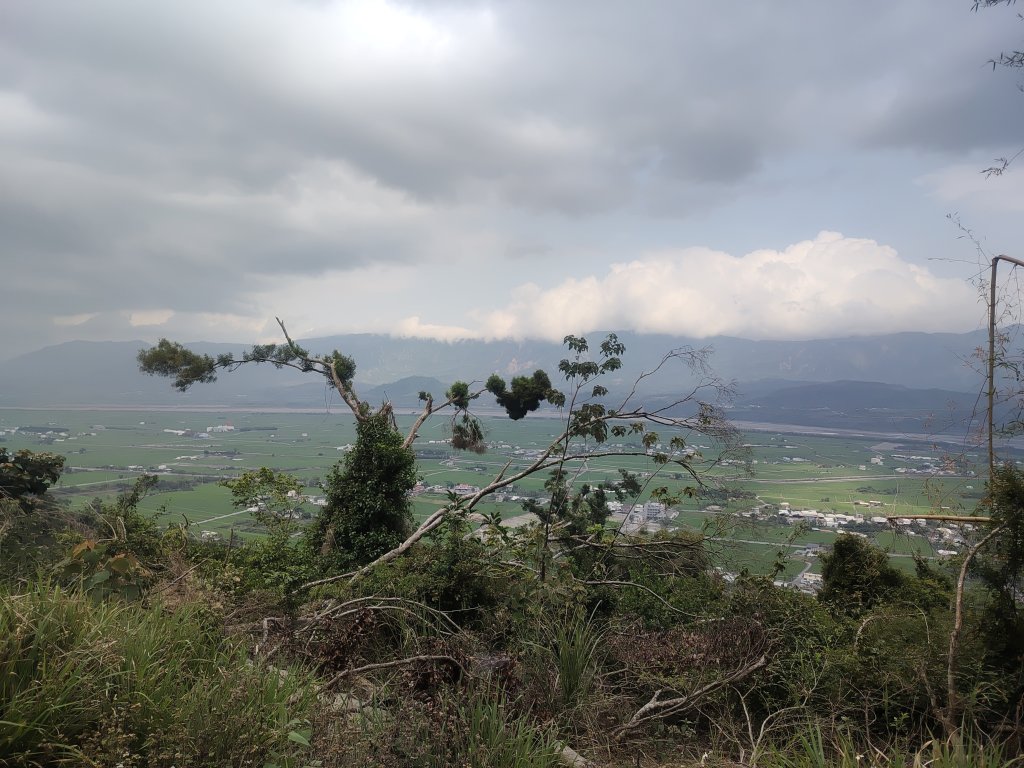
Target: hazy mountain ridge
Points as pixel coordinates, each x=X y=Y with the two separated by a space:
x=863 y=405
x=915 y=373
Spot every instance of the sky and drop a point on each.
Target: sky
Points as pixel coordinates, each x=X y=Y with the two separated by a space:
x=523 y=168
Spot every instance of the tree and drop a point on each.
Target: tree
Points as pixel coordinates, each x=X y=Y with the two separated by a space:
x=25 y=474
x=368 y=508
x=27 y=522
x=856 y=575
x=368 y=514
x=1000 y=568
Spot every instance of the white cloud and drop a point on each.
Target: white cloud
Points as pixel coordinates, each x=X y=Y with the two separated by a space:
x=829 y=286
x=412 y=327
x=150 y=317
x=69 y=321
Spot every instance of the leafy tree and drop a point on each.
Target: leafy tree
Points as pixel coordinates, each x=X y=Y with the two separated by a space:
x=26 y=474
x=856 y=575
x=525 y=395
x=29 y=523
x=272 y=494
x=1000 y=568
x=368 y=508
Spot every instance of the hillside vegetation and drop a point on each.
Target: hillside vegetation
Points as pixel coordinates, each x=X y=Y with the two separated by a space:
x=365 y=637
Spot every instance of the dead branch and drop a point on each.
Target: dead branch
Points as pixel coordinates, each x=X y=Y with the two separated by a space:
x=658 y=707
x=337 y=610
x=348 y=394
x=385 y=665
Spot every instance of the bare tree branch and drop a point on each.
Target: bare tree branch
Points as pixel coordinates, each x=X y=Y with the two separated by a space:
x=386 y=665
x=658 y=707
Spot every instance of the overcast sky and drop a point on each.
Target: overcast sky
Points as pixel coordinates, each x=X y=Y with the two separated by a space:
x=520 y=168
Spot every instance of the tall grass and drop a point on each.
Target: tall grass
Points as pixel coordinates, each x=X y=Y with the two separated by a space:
x=576 y=650
x=813 y=749
x=965 y=752
x=82 y=681
x=490 y=739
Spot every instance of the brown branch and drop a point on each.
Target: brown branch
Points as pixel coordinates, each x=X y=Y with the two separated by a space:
x=428 y=409
x=347 y=393
x=321 y=582
x=334 y=611
x=434 y=520
x=658 y=707
x=385 y=665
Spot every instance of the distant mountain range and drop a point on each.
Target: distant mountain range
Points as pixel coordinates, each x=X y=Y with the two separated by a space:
x=898 y=379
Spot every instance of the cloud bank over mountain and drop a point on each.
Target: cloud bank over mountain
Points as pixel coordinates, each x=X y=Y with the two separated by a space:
x=194 y=169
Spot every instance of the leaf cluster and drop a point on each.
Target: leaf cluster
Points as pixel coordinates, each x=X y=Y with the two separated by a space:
x=525 y=394
x=27 y=473
x=173 y=360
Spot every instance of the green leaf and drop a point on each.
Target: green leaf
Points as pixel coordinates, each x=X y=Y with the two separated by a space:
x=97 y=578
x=300 y=737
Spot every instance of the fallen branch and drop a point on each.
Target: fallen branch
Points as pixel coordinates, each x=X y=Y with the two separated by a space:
x=376 y=603
x=659 y=708
x=385 y=665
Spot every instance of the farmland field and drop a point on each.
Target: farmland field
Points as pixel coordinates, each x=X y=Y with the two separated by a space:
x=865 y=476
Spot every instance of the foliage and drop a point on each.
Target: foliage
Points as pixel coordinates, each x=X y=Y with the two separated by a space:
x=451 y=572
x=474 y=728
x=27 y=473
x=481 y=647
x=124 y=561
x=29 y=522
x=1001 y=565
x=281 y=561
x=493 y=739
x=525 y=394
x=1000 y=568
x=368 y=510
x=575 y=646
x=106 y=683
x=273 y=495
x=856 y=575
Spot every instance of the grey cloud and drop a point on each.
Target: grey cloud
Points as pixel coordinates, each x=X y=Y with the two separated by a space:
x=183 y=139
x=706 y=92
